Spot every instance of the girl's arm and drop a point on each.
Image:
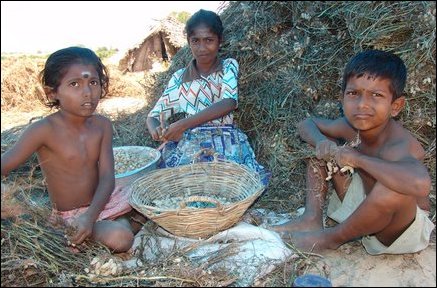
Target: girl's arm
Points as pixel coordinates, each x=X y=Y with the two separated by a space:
x=28 y=143
x=175 y=130
x=167 y=104
x=86 y=221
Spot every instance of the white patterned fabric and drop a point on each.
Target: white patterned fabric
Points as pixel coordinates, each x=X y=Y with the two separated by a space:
x=199 y=92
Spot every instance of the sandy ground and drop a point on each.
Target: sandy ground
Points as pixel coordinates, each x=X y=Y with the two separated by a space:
x=351 y=266
x=348 y=266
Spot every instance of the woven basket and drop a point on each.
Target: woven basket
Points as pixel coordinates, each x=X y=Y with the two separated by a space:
x=205 y=182
x=126 y=178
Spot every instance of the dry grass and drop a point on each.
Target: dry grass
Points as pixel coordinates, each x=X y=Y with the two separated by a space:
x=291 y=57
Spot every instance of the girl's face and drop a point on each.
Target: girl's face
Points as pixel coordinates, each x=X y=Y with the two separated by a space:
x=79 y=91
x=204 y=44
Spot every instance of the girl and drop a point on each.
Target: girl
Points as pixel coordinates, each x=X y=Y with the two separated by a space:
x=207 y=92
x=74 y=150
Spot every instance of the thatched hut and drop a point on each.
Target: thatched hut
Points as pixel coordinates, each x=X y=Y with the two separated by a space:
x=162 y=41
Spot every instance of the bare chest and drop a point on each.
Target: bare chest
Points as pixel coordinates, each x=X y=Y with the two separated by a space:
x=74 y=148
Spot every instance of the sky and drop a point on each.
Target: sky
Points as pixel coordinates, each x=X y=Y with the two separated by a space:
x=44 y=27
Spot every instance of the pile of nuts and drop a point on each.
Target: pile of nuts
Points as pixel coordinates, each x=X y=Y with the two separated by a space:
x=127 y=160
x=175 y=201
x=100 y=267
x=332 y=164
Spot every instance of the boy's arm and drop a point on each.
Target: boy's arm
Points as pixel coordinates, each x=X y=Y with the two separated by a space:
x=323 y=134
x=402 y=172
x=86 y=221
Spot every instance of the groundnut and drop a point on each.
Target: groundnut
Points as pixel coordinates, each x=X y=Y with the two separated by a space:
x=127 y=160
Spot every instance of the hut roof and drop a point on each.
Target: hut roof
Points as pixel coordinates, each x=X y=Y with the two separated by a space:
x=172 y=27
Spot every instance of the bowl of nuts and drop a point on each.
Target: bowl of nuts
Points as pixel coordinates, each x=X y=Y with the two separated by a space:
x=132 y=162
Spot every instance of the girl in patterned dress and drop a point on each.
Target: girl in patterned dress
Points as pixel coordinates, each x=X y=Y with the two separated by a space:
x=207 y=92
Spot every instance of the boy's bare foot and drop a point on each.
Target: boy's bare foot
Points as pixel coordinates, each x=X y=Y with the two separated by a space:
x=308 y=241
x=300 y=224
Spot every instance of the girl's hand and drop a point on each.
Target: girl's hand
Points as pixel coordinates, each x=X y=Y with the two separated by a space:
x=173 y=132
x=326 y=149
x=157 y=133
x=84 y=229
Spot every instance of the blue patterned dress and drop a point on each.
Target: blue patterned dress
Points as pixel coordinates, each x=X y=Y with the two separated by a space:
x=190 y=92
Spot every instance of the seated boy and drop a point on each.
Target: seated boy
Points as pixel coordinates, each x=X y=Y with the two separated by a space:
x=383 y=201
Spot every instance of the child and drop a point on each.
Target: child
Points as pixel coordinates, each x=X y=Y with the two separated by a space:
x=207 y=91
x=383 y=201
x=74 y=150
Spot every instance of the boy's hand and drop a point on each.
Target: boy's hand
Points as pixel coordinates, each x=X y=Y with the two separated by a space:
x=326 y=149
x=84 y=229
x=345 y=156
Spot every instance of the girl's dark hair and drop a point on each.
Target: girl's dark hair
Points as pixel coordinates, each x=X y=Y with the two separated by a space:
x=378 y=64
x=209 y=18
x=60 y=61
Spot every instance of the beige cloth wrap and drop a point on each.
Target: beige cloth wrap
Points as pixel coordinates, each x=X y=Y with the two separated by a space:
x=414 y=239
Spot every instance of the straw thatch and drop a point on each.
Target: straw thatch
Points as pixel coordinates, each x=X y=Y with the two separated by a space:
x=291 y=57
x=160 y=44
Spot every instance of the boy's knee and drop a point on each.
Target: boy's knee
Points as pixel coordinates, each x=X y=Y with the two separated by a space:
x=388 y=199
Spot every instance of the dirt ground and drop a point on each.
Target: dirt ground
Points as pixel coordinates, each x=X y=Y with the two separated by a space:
x=351 y=266
x=348 y=266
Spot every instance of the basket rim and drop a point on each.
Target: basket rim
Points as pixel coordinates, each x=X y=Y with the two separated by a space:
x=157 y=156
x=153 y=211
x=135 y=193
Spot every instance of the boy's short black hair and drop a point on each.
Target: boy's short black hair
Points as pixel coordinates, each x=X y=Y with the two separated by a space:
x=209 y=18
x=378 y=64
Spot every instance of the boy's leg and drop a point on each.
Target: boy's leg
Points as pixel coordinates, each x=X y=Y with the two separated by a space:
x=317 y=187
x=384 y=213
x=116 y=235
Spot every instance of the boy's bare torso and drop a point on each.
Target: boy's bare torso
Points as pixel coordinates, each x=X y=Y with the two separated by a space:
x=395 y=143
x=69 y=159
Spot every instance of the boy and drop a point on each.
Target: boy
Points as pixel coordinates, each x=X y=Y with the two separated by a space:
x=383 y=201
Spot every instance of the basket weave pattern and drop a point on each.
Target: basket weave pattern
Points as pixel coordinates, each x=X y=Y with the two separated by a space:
x=201 y=181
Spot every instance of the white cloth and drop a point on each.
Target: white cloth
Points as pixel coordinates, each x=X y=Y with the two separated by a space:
x=414 y=239
x=247 y=251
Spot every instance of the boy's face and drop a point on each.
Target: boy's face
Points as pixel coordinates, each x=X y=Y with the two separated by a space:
x=204 y=44
x=79 y=91
x=367 y=102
